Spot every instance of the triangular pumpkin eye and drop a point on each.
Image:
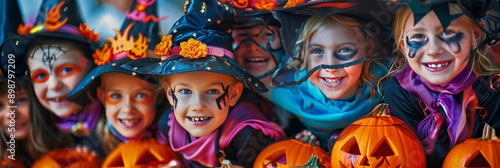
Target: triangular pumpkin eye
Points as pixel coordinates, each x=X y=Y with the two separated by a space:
x=117 y=162
x=351 y=146
x=384 y=149
x=478 y=160
x=146 y=158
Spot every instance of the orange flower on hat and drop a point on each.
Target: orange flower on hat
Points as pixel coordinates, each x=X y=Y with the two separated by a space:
x=193 y=49
x=24 y=29
x=103 y=56
x=292 y=3
x=266 y=5
x=89 y=34
x=163 y=48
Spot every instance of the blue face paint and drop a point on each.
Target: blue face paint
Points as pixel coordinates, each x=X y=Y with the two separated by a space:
x=454 y=41
x=222 y=98
x=346 y=57
x=414 y=46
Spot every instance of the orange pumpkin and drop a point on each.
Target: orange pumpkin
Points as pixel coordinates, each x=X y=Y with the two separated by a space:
x=144 y=153
x=67 y=158
x=290 y=152
x=378 y=140
x=6 y=162
x=480 y=152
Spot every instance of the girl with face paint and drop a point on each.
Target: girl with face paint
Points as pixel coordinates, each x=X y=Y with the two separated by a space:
x=332 y=94
x=209 y=123
x=443 y=84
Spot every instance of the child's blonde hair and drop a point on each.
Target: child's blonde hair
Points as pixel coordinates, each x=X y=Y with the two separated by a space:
x=481 y=62
x=367 y=33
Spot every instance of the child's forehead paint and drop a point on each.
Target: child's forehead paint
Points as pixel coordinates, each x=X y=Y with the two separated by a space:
x=48 y=54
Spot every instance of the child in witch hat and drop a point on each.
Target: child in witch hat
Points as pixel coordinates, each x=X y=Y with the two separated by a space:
x=209 y=124
x=131 y=101
x=444 y=83
x=57 y=49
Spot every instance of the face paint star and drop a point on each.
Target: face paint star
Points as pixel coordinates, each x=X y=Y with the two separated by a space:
x=442 y=11
x=418 y=10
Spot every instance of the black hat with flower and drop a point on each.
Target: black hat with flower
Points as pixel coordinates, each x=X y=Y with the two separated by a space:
x=199 y=41
x=138 y=35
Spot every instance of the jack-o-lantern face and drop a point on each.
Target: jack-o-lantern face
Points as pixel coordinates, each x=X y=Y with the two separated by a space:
x=482 y=152
x=376 y=141
x=140 y=48
x=53 y=16
x=241 y=3
x=288 y=153
x=145 y=153
x=67 y=158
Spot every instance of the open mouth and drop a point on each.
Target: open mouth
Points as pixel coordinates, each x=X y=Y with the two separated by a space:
x=256 y=61
x=199 y=119
x=129 y=122
x=332 y=82
x=59 y=99
x=437 y=66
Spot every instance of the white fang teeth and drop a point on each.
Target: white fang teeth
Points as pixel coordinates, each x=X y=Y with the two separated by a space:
x=437 y=65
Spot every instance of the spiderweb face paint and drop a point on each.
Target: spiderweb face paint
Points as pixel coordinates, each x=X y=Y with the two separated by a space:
x=48 y=54
x=222 y=99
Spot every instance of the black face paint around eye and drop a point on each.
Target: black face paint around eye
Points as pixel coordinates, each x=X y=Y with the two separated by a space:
x=414 y=46
x=49 y=54
x=454 y=42
x=347 y=57
x=222 y=98
x=174 y=97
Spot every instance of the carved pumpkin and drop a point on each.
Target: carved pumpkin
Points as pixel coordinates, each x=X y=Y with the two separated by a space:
x=290 y=152
x=378 y=140
x=6 y=162
x=241 y=3
x=480 y=152
x=144 y=153
x=67 y=158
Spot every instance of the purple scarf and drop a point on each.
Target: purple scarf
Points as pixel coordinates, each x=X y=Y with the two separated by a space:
x=202 y=150
x=84 y=123
x=459 y=115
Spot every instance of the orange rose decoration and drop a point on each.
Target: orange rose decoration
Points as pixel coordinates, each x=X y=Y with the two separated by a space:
x=163 y=48
x=193 y=49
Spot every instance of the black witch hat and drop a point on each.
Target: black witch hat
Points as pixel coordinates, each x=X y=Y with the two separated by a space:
x=12 y=64
x=294 y=13
x=138 y=35
x=199 y=41
x=10 y=18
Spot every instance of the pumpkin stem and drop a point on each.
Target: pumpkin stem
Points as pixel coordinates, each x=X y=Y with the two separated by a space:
x=379 y=110
x=488 y=133
x=307 y=139
x=313 y=162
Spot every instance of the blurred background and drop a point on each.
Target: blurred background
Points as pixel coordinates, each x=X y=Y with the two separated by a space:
x=103 y=16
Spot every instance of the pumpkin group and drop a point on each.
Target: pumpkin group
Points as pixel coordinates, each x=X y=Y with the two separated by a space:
x=290 y=153
x=378 y=140
x=479 y=152
x=143 y=153
x=67 y=158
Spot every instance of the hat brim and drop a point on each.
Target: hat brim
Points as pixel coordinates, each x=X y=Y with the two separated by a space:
x=92 y=80
x=178 y=64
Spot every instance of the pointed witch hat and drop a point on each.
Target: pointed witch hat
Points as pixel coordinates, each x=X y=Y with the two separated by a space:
x=138 y=35
x=11 y=49
x=199 y=41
